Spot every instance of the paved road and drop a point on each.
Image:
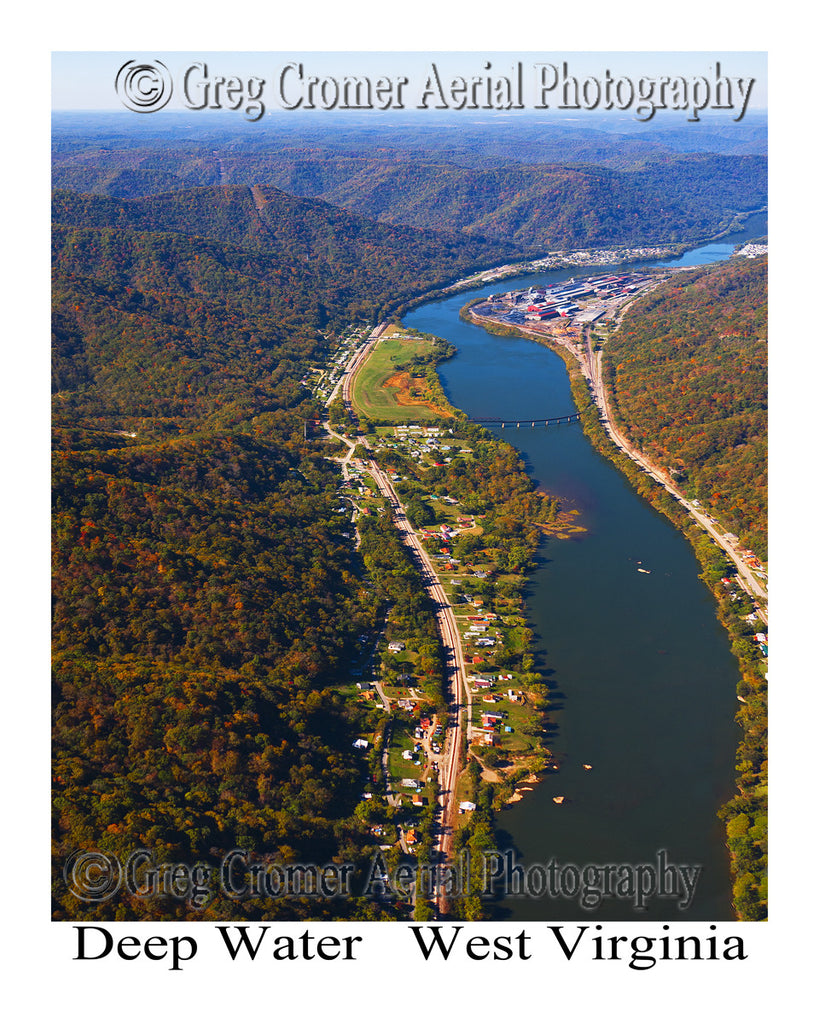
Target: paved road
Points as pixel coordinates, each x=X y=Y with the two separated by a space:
x=358 y=359
x=460 y=697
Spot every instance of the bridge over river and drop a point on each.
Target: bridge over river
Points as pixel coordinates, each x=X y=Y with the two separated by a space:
x=527 y=421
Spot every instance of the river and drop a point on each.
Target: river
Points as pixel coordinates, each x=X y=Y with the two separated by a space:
x=643 y=681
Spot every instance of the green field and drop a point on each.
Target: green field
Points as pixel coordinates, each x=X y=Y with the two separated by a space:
x=519 y=716
x=371 y=399
x=403 y=739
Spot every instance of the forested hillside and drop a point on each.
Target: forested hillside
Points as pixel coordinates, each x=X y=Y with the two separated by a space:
x=94 y=153
x=559 y=206
x=172 y=563
x=688 y=374
x=205 y=590
x=534 y=206
x=329 y=261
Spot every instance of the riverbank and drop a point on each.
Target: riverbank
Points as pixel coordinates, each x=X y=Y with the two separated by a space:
x=552 y=261
x=583 y=362
x=745 y=814
x=558 y=260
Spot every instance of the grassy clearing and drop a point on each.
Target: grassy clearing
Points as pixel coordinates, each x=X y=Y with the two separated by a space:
x=371 y=398
x=403 y=739
x=518 y=716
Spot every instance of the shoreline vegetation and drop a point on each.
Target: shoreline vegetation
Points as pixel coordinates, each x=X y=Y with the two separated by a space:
x=745 y=815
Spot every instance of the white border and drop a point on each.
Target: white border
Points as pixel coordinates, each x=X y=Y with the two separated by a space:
x=390 y=984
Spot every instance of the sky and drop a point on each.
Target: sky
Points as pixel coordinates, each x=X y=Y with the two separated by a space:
x=85 y=80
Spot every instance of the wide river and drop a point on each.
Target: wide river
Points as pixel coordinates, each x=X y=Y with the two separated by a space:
x=643 y=681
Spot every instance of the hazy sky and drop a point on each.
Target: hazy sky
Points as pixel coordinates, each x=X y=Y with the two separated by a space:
x=85 y=80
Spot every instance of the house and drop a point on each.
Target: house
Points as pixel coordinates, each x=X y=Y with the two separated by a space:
x=361 y=744
x=396 y=646
x=466 y=805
